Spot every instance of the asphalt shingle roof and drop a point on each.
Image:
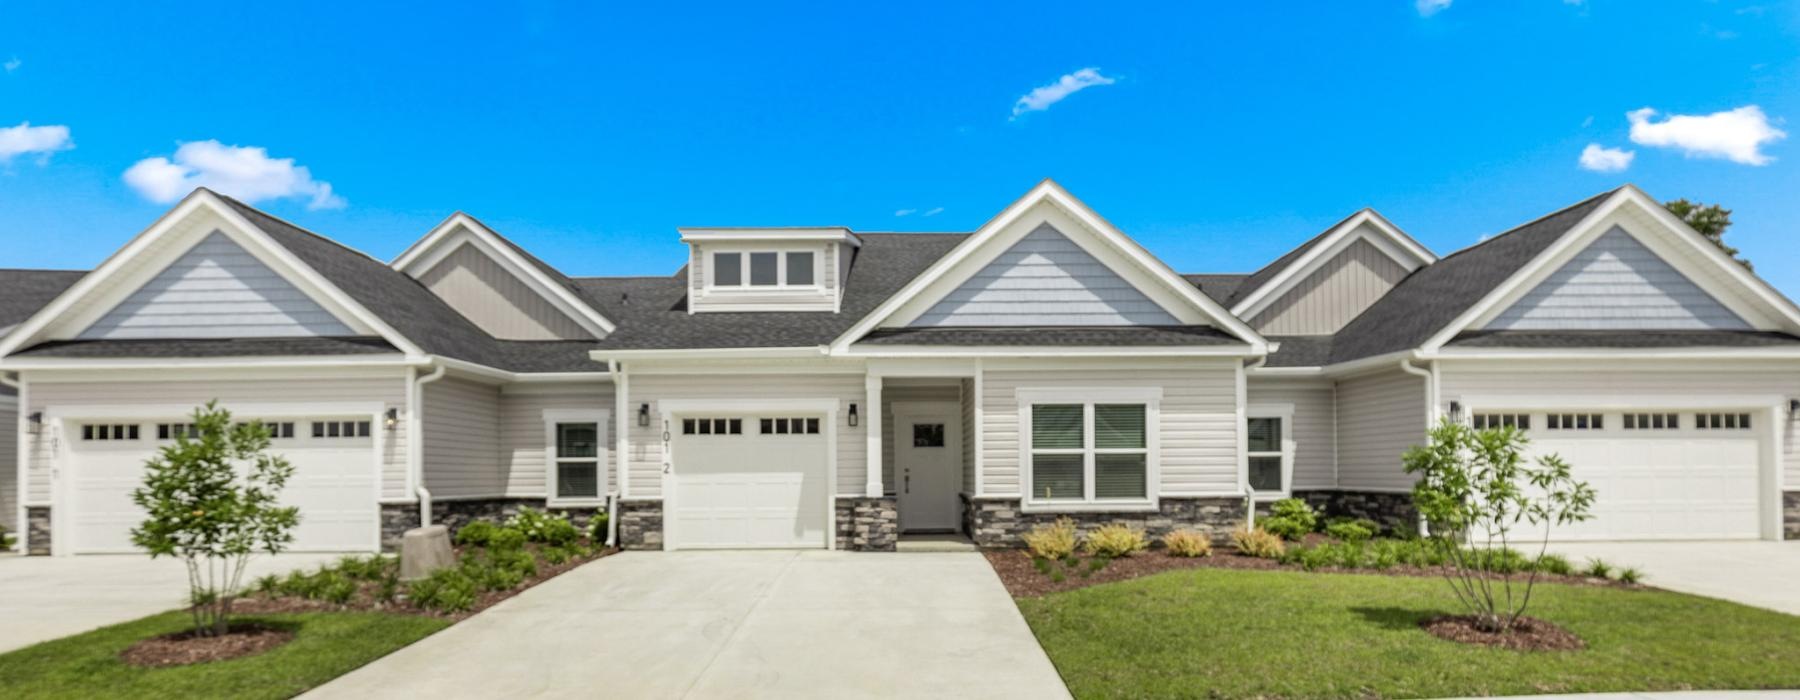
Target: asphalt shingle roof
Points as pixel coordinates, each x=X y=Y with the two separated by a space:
x=1299 y=350
x=23 y=292
x=1623 y=339
x=209 y=347
x=1215 y=285
x=1075 y=336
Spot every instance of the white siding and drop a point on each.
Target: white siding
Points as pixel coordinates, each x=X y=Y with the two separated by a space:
x=1198 y=427
x=1045 y=280
x=1379 y=416
x=461 y=424
x=646 y=443
x=1332 y=295
x=522 y=433
x=1313 y=431
x=483 y=290
x=901 y=390
x=1616 y=283
x=388 y=391
x=1648 y=389
x=216 y=290
x=9 y=460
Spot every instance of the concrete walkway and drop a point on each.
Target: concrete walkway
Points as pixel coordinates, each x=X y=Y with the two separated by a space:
x=730 y=625
x=1762 y=574
x=45 y=598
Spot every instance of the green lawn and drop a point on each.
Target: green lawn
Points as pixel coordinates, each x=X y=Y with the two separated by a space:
x=325 y=646
x=1230 y=633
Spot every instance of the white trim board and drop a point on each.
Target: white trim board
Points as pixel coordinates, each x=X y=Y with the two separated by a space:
x=460 y=229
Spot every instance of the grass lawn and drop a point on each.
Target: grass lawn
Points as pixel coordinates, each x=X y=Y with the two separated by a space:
x=325 y=646
x=1233 y=633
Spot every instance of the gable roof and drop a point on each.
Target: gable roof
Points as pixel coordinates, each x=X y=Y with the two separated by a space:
x=1262 y=277
x=556 y=288
x=1217 y=285
x=1268 y=285
x=23 y=292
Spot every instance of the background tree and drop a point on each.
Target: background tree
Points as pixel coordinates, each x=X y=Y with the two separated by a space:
x=211 y=500
x=1710 y=220
x=1479 y=494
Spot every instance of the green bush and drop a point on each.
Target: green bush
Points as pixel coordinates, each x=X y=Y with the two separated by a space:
x=1258 y=543
x=1630 y=575
x=445 y=590
x=1352 y=529
x=1187 y=543
x=268 y=585
x=1290 y=519
x=545 y=528
x=1555 y=564
x=507 y=539
x=556 y=556
x=1598 y=569
x=516 y=560
x=597 y=526
x=476 y=534
x=6 y=540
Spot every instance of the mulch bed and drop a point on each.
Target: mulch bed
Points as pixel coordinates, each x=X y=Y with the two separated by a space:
x=366 y=600
x=1528 y=634
x=1022 y=579
x=183 y=648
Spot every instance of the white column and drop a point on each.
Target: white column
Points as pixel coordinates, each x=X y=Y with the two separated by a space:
x=871 y=420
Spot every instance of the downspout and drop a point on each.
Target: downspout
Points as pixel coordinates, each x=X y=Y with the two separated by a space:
x=1431 y=403
x=1244 y=440
x=622 y=424
x=23 y=434
x=415 y=442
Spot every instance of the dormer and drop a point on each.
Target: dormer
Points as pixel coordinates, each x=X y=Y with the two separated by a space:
x=768 y=269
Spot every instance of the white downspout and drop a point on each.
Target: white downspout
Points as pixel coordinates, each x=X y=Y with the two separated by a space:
x=415 y=439
x=621 y=446
x=1431 y=404
x=1243 y=392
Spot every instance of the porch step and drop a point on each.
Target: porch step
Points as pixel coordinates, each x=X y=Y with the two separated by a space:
x=935 y=543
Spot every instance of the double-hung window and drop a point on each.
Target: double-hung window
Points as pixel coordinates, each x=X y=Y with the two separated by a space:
x=1270 y=455
x=575 y=454
x=1089 y=447
x=770 y=268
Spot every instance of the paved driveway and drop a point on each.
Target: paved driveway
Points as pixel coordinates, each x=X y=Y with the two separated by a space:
x=734 y=624
x=44 y=598
x=1762 y=574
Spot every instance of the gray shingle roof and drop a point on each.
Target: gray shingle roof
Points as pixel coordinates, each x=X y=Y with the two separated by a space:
x=23 y=292
x=1623 y=339
x=1434 y=295
x=1076 y=336
x=1257 y=279
x=1218 y=286
x=1299 y=350
x=209 y=347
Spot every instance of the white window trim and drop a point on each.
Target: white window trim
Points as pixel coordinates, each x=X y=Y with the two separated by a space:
x=781 y=270
x=1150 y=397
x=602 y=457
x=1285 y=412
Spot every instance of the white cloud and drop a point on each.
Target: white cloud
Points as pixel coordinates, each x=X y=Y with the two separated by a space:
x=1040 y=99
x=244 y=172
x=904 y=212
x=25 y=138
x=934 y=211
x=1605 y=160
x=13 y=64
x=1428 y=8
x=1737 y=135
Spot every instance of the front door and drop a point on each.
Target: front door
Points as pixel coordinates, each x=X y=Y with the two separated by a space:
x=928 y=469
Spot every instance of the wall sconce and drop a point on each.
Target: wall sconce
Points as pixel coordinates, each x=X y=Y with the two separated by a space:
x=643 y=415
x=1455 y=411
x=37 y=422
x=392 y=418
x=853 y=419
x=1794 y=407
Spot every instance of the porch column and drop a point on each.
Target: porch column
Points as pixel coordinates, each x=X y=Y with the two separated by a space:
x=872 y=423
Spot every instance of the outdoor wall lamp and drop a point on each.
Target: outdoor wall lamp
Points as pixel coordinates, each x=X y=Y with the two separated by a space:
x=1455 y=411
x=37 y=421
x=643 y=415
x=853 y=419
x=1793 y=407
x=392 y=418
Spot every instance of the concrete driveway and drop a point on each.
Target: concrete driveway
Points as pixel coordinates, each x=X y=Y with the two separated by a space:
x=734 y=624
x=1756 y=573
x=45 y=598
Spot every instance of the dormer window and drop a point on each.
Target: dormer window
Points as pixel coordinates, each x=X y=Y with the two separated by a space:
x=768 y=269
x=775 y=269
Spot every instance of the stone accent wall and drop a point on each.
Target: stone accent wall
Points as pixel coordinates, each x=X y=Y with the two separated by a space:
x=868 y=524
x=1394 y=511
x=1790 y=515
x=999 y=523
x=397 y=518
x=640 y=525
x=37 y=524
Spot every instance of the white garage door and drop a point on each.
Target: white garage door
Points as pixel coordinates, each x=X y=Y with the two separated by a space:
x=333 y=483
x=1659 y=475
x=749 y=481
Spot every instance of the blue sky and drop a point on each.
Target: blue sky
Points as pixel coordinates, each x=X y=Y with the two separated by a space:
x=1217 y=136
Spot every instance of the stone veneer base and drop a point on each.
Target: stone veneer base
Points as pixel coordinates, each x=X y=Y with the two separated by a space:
x=1394 y=511
x=37 y=523
x=640 y=525
x=868 y=524
x=1790 y=515
x=994 y=523
x=397 y=518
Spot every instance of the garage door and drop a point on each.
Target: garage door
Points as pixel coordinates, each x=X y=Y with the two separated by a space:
x=749 y=481
x=333 y=483
x=1658 y=475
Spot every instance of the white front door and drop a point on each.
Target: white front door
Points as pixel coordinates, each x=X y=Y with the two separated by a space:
x=748 y=481
x=928 y=469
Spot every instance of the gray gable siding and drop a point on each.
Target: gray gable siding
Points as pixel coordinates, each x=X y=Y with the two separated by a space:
x=1332 y=295
x=1046 y=280
x=1617 y=284
x=216 y=290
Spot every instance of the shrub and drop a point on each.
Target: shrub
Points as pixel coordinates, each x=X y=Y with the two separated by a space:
x=542 y=527
x=597 y=526
x=476 y=534
x=1053 y=541
x=1187 y=543
x=6 y=540
x=446 y=590
x=1116 y=540
x=268 y=585
x=556 y=556
x=506 y=539
x=1598 y=569
x=1257 y=543
x=1555 y=564
x=1290 y=518
x=1630 y=575
x=1352 y=529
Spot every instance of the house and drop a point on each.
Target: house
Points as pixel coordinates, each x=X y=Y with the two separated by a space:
x=822 y=387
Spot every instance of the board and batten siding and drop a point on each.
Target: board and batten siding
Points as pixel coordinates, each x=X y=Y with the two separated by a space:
x=216 y=290
x=1332 y=295
x=902 y=390
x=1045 y=279
x=1379 y=416
x=1197 y=429
x=386 y=391
x=485 y=292
x=1617 y=283
x=1314 y=428
x=1723 y=385
x=460 y=422
x=645 y=465
x=523 y=432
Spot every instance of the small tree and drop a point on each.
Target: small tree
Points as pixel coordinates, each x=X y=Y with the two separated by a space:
x=1476 y=490
x=1710 y=221
x=211 y=500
